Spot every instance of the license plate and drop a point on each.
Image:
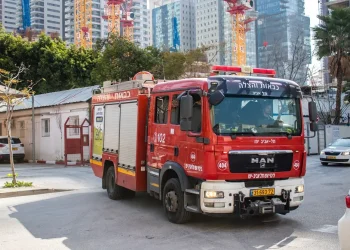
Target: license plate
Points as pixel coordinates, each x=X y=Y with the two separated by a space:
x=14 y=149
x=331 y=157
x=262 y=192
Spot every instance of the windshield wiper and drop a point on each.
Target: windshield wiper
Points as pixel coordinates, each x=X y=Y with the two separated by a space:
x=289 y=135
x=234 y=134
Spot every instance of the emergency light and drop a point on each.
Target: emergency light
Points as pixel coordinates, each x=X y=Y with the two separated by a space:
x=245 y=70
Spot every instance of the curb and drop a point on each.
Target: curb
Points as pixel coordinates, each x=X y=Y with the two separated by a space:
x=74 y=163
x=10 y=192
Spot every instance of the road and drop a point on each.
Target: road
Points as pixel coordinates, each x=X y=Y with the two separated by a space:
x=86 y=219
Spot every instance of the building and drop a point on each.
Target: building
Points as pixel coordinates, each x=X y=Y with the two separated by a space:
x=326 y=78
x=9 y=14
x=210 y=29
x=173 y=26
x=99 y=25
x=51 y=112
x=142 y=25
x=332 y=4
x=283 y=34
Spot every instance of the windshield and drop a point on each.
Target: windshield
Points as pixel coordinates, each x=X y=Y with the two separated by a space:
x=257 y=116
x=342 y=143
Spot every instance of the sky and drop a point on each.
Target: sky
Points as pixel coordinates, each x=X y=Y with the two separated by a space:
x=311 y=8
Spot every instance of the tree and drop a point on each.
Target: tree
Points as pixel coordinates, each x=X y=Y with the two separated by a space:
x=11 y=97
x=332 y=39
x=121 y=60
x=290 y=60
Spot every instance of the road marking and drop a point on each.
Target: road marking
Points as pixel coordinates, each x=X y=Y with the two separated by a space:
x=258 y=247
x=293 y=242
x=331 y=229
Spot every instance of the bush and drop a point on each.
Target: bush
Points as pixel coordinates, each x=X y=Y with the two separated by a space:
x=18 y=184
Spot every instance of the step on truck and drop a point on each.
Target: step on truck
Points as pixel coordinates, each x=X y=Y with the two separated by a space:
x=232 y=143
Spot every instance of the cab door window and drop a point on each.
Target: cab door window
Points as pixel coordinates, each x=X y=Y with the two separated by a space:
x=161 y=110
x=197 y=114
x=175 y=111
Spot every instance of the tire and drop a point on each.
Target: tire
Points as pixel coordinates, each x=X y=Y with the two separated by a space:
x=20 y=160
x=324 y=163
x=173 y=202
x=114 y=191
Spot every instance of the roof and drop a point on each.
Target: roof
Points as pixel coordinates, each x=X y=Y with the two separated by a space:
x=57 y=98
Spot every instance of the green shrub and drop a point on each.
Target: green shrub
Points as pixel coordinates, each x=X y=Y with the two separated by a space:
x=18 y=184
x=10 y=175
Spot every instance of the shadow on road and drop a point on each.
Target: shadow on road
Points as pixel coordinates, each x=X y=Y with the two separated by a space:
x=89 y=220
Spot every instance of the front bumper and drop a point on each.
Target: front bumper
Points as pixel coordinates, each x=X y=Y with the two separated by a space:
x=344 y=159
x=237 y=197
x=15 y=156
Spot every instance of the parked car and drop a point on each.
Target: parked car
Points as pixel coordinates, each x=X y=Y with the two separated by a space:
x=337 y=152
x=344 y=226
x=17 y=149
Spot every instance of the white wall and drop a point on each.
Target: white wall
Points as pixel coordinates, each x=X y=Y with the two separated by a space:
x=49 y=148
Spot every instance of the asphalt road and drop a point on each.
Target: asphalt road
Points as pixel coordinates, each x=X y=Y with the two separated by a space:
x=87 y=219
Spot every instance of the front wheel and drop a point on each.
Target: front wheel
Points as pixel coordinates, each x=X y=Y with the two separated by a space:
x=173 y=202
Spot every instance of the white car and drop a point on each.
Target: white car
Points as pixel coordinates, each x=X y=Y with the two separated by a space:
x=17 y=149
x=337 y=152
x=344 y=226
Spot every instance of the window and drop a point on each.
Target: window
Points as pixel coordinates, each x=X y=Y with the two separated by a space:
x=0 y=129
x=22 y=129
x=197 y=114
x=74 y=120
x=45 y=127
x=161 y=112
x=175 y=111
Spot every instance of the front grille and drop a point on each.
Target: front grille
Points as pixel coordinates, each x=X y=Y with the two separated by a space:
x=262 y=183
x=332 y=153
x=260 y=161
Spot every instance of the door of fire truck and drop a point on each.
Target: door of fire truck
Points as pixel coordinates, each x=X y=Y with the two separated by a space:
x=168 y=145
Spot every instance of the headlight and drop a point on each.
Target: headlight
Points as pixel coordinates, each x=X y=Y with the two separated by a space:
x=214 y=194
x=322 y=152
x=299 y=189
x=345 y=153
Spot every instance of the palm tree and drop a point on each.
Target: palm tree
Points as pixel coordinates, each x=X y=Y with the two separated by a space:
x=332 y=39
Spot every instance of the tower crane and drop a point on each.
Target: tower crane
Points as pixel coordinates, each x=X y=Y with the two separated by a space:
x=83 y=23
x=112 y=13
x=238 y=9
x=128 y=21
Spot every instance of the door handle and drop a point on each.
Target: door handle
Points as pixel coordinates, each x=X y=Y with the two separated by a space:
x=176 y=151
x=151 y=147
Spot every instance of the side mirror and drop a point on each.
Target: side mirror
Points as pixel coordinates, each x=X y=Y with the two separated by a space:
x=216 y=98
x=313 y=127
x=186 y=112
x=312 y=111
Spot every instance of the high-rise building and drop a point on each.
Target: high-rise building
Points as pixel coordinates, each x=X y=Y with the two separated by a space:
x=283 y=37
x=337 y=3
x=142 y=25
x=46 y=15
x=323 y=11
x=173 y=26
x=210 y=29
x=9 y=12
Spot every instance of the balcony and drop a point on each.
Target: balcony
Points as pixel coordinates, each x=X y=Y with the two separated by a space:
x=334 y=4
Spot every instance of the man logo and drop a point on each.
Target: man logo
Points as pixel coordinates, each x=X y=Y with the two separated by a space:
x=263 y=161
x=193 y=156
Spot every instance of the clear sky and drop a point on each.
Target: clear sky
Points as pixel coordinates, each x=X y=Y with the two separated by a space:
x=311 y=10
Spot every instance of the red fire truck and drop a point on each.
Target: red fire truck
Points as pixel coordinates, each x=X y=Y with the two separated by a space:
x=227 y=144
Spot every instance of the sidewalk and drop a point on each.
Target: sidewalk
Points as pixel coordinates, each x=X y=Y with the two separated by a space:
x=51 y=176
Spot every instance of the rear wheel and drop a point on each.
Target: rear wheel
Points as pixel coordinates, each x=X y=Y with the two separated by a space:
x=173 y=202
x=114 y=191
x=324 y=163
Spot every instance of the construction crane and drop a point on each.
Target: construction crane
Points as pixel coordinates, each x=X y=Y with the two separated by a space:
x=83 y=23
x=112 y=13
x=26 y=14
x=128 y=21
x=238 y=9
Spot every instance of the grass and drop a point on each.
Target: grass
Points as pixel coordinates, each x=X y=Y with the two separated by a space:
x=18 y=184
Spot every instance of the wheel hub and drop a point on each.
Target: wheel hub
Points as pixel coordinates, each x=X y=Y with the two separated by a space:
x=171 y=203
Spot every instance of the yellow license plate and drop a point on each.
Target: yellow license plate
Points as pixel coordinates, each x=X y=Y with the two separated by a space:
x=331 y=157
x=262 y=192
x=15 y=149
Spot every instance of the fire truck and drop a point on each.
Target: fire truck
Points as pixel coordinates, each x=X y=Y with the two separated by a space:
x=232 y=143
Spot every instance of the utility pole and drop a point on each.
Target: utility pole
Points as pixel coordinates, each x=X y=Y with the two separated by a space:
x=33 y=130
